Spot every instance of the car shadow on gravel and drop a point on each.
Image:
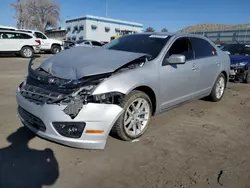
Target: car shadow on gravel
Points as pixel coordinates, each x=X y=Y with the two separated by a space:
x=10 y=55
x=21 y=166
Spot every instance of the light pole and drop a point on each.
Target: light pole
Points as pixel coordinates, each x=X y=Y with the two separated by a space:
x=106 y=9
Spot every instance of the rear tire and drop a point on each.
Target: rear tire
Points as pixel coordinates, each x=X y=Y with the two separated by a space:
x=218 y=88
x=136 y=116
x=55 y=49
x=27 y=52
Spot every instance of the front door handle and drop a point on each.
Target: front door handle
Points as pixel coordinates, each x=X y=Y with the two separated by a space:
x=194 y=67
x=218 y=63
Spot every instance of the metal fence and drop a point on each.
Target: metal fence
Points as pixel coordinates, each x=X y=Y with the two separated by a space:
x=226 y=36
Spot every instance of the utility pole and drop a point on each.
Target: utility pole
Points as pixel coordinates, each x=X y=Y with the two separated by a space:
x=106 y=8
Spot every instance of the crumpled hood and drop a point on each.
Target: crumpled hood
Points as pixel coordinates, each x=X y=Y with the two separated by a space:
x=80 y=61
x=239 y=58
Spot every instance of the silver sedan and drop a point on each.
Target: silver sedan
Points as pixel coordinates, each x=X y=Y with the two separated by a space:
x=80 y=95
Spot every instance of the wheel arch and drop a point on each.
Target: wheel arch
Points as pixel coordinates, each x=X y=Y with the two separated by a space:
x=27 y=46
x=226 y=76
x=151 y=94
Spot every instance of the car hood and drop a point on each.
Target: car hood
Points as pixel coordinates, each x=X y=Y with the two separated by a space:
x=55 y=41
x=79 y=62
x=239 y=58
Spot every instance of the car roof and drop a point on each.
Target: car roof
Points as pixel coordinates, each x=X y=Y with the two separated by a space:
x=6 y=27
x=172 y=34
x=10 y=31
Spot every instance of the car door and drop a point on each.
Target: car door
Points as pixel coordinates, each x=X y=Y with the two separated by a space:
x=208 y=62
x=10 y=42
x=178 y=81
x=45 y=43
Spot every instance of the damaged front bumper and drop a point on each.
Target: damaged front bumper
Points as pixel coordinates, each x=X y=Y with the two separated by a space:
x=95 y=119
x=237 y=73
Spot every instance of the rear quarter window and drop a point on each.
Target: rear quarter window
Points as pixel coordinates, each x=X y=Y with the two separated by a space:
x=202 y=48
x=24 y=36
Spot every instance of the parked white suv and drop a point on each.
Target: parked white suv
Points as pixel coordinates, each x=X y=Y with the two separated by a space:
x=47 y=44
x=18 y=42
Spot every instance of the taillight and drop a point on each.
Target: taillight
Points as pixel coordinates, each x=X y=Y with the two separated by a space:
x=38 y=41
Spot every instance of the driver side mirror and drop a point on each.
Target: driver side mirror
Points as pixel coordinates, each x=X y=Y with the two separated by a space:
x=175 y=59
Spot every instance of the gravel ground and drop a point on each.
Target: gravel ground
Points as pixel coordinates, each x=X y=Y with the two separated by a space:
x=200 y=144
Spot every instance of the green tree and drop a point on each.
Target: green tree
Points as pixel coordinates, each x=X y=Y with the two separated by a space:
x=164 y=30
x=150 y=29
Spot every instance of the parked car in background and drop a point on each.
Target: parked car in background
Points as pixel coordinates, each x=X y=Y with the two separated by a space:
x=17 y=42
x=48 y=45
x=79 y=95
x=67 y=44
x=240 y=61
x=88 y=43
x=104 y=42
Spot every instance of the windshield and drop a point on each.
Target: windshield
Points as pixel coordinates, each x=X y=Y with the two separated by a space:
x=237 y=49
x=140 y=43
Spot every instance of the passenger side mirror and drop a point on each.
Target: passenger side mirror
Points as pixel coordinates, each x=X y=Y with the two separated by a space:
x=175 y=59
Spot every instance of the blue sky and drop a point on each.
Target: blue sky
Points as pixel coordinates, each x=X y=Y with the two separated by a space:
x=172 y=14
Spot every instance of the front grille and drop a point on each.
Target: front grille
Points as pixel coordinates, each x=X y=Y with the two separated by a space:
x=38 y=95
x=31 y=120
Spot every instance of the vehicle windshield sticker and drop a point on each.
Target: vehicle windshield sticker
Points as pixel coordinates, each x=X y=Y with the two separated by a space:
x=158 y=36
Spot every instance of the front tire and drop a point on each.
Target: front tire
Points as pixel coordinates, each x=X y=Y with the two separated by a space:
x=55 y=49
x=218 y=88
x=136 y=116
x=27 y=52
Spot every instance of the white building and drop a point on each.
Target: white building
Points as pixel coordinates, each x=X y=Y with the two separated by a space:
x=98 y=28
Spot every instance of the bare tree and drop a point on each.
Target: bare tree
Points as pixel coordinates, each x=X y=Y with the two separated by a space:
x=20 y=14
x=37 y=14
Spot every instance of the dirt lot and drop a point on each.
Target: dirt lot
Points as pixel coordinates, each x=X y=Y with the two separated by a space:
x=200 y=144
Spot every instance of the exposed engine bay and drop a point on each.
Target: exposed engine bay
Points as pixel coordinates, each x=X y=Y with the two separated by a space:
x=42 y=87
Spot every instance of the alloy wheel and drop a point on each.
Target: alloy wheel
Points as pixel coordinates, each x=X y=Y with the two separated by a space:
x=136 y=117
x=220 y=87
x=27 y=52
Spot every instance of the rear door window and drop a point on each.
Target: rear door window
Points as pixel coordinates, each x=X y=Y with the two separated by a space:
x=96 y=43
x=24 y=36
x=87 y=42
x=202 y=48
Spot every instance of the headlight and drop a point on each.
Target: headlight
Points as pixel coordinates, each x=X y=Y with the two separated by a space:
x=240 y=64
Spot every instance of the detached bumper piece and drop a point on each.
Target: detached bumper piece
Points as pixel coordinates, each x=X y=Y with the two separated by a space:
x=31 y=120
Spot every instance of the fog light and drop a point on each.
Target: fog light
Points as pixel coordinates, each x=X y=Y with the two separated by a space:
x=70 y=129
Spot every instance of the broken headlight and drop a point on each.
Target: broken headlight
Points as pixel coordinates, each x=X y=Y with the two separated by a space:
x=240 y=64
x=107 y=98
